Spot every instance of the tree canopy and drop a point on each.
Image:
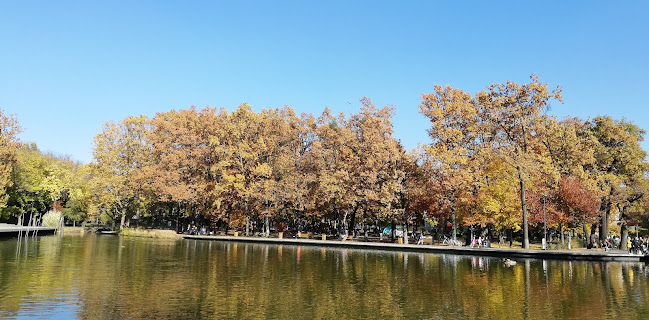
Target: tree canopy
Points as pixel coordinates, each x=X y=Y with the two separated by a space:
x=495 y=160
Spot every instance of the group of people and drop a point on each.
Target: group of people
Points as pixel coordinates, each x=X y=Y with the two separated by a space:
x=480 y=242
x=637 y=245
x=192 y=229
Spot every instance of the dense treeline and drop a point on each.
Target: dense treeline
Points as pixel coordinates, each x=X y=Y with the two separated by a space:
x=244 y=168
x=495 y=161
x=39 y=182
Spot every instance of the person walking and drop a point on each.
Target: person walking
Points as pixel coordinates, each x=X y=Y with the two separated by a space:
x=628 y=243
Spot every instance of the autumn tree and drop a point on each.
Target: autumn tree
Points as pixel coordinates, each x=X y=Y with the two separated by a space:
x=356 y=166
x=294 y=171
x=455 y=144
x=332 y=157
x=422 y=184
x=376 y=173
x=120 y=151
x=275 y=184
x=238 y=165
x=511 y=116
x=180 y=171
x=577 y=200
x=496 y=201
x=570 y=145
x=254 y=151
x=621 y=168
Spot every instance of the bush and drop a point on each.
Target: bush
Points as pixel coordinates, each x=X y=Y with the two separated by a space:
x=580 y=243
x=561 y=246
x=52 y=219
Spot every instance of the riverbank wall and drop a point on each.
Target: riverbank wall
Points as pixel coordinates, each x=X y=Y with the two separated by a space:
x=588 y=255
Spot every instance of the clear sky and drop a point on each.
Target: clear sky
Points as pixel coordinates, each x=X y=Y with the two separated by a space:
x=66 y=67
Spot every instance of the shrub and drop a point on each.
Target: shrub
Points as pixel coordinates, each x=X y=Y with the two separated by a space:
x=52 y=218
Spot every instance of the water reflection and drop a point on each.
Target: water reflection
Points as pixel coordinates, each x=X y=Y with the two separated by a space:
x=113 y=277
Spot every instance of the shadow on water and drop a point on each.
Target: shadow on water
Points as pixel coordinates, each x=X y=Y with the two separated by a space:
x=117 y=277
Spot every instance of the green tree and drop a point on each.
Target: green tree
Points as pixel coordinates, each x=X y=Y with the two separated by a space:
x=9 y=129
x=621 y=166
x=44 y=181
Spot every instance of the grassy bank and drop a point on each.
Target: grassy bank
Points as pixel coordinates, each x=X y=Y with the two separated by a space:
x=149 y=233
x=73 y=230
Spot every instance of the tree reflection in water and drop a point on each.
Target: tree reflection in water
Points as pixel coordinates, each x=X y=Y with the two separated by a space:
x=116 y=277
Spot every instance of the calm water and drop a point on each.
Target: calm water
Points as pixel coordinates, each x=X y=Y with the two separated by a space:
x=109 y=277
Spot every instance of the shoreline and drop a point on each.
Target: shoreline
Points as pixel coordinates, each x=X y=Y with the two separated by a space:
x=439 y=249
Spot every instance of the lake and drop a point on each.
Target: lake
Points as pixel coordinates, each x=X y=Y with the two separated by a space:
x=111 y=277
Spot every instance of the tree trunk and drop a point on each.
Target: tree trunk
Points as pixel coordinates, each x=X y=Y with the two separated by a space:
x=606 y=207
x=179 y=229
x=454 y=228
x=366 y=230
x=353 y=222
x=365 y=227
x=405 y=233
x=510 y=237
x=561 y=231
x=526 y=242
x=123 y=214
x=247 y=218
x=624 y=230
x=603 y=226
x=586 y=237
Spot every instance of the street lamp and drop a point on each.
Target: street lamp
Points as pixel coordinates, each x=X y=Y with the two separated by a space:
x=545 y=227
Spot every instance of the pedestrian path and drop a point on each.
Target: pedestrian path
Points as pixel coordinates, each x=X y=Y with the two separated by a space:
x=592 y=255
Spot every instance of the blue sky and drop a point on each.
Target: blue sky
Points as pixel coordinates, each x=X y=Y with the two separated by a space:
x=66 y=67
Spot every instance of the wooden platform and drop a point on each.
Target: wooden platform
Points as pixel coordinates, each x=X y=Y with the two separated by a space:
x=12 y=230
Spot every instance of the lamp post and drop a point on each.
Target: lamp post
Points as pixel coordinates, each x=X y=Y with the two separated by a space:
x=545 y=227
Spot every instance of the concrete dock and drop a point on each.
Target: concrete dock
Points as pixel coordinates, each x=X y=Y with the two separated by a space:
x=589 y=255
x=12 y=230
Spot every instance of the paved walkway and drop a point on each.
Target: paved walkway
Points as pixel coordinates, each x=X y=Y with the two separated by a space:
x=11 y=230
x=592 y=255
